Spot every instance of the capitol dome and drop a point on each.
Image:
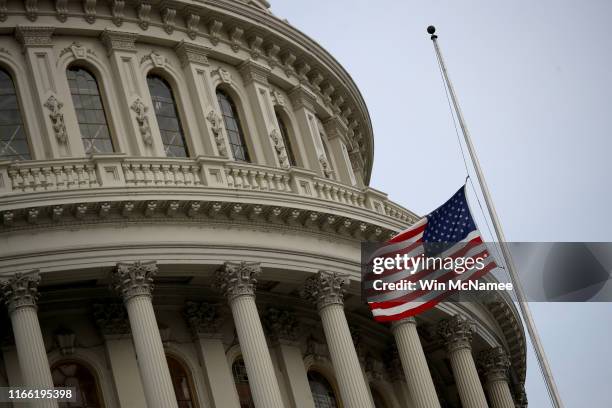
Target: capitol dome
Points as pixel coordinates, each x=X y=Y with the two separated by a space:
x=184 y=186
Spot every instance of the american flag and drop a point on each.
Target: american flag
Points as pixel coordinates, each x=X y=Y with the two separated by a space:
x=447 y=232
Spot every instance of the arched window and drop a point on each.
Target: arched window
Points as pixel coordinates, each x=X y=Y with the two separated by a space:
x=167 y=117
x=182 y=382
x=286 y=140
x=75 y=375
x=13 y=141
x=89 y=110
x=322 y=391
x=233 y=127
x=379 y=401
x=241 y=380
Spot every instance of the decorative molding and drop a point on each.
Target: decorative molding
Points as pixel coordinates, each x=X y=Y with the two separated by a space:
x=235 y=35
x=216 y=127
x=255 y=42
x=325 y=289
x=144 y=15
x=31 y=9
x=190 y=52
x=456 y=332
x=118 y=41
x=214 y=31
x=224 y=75
x=89 y=7
x=272 y=50
x=57 y=119
x=277 y=98
x=204 y=318
x=30 y=36
x=78 y=51
x=111 y=319
x=117 y=8
x=61 y=10
x=158 y=60
x=142 y=120
x=168 y=15
x=279 y=148
x=20 y=290
x=302 y=97
x=192 y=23
x=134 y=279
x=325 y=166
x=237 y=279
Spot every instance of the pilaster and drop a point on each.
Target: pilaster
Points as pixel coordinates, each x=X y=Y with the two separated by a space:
x=303 y=102
x=336 y=133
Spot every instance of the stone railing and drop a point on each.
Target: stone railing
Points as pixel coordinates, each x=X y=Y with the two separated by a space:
x=116 y=171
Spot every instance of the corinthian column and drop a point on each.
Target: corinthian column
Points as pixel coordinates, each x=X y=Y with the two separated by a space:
x=135 y=284
x=495 y=364
x=326 y=290
x=20 y=293
x=237 y=282
x=416 y=371
x=457 y=334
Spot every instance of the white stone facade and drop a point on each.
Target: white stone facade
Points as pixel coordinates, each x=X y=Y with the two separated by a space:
x=137 y=266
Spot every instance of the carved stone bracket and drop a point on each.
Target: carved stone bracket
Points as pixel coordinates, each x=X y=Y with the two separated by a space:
x=192 y=22
x=117 y=7
x=57 y=119
x=216 y=127
x=89 y=7
x=134 y=279
x=223 y=74
x=204 y=318
x=168 y=15
x=142 y=120
x=494 y=363
x=456 y=332
x=66 y=341
x=144 y=15
x=237 y=279
x=111 y=319
x=188 y=52
x=325 y=289
x=20 y=290
x=279 y=147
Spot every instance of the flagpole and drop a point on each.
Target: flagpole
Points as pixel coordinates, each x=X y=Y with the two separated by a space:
x=524 y=306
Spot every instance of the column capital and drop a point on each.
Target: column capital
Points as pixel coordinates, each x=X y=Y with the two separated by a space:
x=134 y=279
x=34 y=36
x=281 y=325
x=252 y=71
x=192 y=52
x=456 y=332
x=21 y=290
x=204 y=318
x=302 y=97
x=236 y=279
x=325 y=289
x=334 y=127
x=118 y=41
x=111 y=319
x=494 y=363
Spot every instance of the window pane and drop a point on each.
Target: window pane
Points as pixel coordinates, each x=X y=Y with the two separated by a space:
x=13 y=142
x=286 y=140
x=182 y=383
x=167 y=117
x=89 y=111
x=232 y=126
x=73 y=374
x=322 y=391
x=241 y=380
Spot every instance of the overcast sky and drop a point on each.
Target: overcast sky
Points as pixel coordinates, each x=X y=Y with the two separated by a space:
x=534 y=79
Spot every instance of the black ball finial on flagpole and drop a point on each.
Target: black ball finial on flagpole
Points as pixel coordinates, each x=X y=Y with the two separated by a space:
x=432 y=30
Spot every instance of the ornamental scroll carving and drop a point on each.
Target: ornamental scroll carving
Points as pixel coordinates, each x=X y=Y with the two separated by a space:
x=325 y=289
x=134 y=279
x=279 y=147
x=57 y=118
x=281 y=324
x=216 y=127
x=494 y=363
x=456 y=332
x=237 y=279
x=203 y=318
x=142 y=120
x=20 y=290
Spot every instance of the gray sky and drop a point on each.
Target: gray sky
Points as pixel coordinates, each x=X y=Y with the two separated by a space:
x=535 y=83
